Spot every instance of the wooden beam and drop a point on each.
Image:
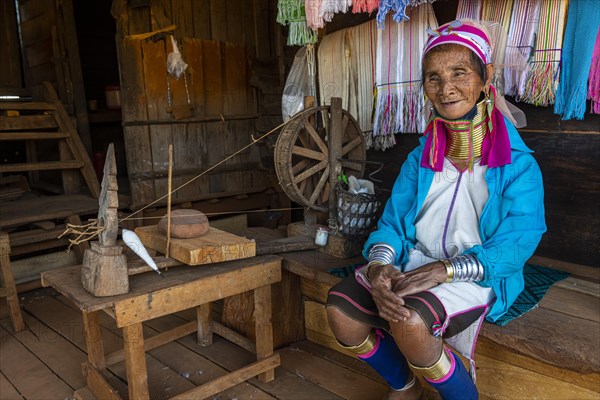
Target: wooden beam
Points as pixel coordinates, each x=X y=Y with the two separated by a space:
x=41 y=166
x=201 y=291
x=224 y=382
x=6 y=136
x=27 y=122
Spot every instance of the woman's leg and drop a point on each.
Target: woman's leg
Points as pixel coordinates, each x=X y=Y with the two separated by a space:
x=356 y=324
x=428 y=357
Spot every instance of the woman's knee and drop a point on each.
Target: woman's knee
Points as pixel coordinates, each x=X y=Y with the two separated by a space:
x=346 y=330
x=412 y=331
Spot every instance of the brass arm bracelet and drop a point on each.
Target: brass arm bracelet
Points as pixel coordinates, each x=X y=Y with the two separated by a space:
x=449 y=271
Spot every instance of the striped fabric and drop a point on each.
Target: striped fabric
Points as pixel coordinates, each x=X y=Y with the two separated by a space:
x=543 y=71
x=524 y=23
x=498 y=11
x=399 y=99
x=362 y=40
x=469 y=9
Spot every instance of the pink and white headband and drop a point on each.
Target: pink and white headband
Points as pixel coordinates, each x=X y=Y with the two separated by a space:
x=461 y=33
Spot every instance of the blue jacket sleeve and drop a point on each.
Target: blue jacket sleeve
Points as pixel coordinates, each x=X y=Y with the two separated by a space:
x=395 y=225
x=515 y=222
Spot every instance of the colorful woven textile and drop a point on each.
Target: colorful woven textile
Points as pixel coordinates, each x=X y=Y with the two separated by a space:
x=399 y=100
x=292 y=14
x=498 y=11
x=578 y=48
x=537 y=282
x=523 y=26
x=543 y=71
x=594 y=81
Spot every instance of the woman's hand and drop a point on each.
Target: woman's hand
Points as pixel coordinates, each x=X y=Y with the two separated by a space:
x=423 y=278
x=390 y=305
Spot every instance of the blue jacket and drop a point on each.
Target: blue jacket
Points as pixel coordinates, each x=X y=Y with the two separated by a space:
x=511 y=224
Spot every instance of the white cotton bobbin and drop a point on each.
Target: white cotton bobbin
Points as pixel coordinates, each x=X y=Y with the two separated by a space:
x=134 y=243
x=321 y=236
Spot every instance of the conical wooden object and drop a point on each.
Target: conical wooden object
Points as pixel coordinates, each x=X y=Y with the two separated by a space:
x=104 y=269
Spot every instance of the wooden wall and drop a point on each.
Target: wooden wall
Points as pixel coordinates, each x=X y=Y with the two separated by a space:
x=220 y=41
x=10 y=67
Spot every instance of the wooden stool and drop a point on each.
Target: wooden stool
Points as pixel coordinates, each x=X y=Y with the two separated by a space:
x=8 y=288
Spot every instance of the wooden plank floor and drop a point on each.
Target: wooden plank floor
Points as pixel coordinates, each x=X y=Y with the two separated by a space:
x=44 y=361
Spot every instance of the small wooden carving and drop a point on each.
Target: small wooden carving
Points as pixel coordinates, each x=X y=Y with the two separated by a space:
x=104 y=270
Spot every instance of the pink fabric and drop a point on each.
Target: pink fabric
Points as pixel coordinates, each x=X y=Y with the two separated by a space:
x=462 y=34
x=368 y=6
x=495 y=150
x=594 y=79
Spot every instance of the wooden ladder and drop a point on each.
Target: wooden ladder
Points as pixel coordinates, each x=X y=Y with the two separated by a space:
x=33 y=121
x=7 y=284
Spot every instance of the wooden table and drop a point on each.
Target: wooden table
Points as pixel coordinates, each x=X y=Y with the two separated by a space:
x=151 y=297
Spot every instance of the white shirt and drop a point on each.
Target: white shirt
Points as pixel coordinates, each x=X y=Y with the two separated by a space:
x=448 y=222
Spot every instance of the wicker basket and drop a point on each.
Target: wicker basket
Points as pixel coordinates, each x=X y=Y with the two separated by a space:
x=357 y=213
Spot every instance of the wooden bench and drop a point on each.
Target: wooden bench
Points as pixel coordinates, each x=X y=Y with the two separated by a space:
x=550 y=352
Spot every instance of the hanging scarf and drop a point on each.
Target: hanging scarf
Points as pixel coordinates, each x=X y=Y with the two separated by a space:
x=292 y=13
x=399 y=9
x=578 y=48
x=367 y=6
x=523 y=26
x=469 y=9
x=313 y=19
x=363 y=44
x=495 y=149
x=498 y=11
x=543 y=71
x=399 y=99
x=333 y=67
x=329 y=8
x=594 y=81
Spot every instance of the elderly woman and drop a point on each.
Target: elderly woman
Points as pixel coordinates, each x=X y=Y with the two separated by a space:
x=464 y=215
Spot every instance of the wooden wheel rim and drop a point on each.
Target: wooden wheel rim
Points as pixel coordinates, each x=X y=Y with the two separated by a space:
x=302 y=155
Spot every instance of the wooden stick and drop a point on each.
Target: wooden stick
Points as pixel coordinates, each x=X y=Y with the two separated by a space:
x=170 y=179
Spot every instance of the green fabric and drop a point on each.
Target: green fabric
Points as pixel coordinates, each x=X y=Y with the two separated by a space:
x=537 y=282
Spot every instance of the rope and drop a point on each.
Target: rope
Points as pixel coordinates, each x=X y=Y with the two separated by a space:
x=254 y=141
x=85 y=232
x=221 y=213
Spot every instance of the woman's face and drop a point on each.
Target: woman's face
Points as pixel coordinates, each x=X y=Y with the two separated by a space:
x=452 y=83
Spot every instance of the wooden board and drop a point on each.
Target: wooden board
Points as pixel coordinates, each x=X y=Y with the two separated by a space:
x=45 y=208
x=215 y=246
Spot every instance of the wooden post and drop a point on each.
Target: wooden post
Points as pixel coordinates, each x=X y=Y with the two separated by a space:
x=7 y=284
x=334 y=144
x=204 y=320
x=169 y=186
x=135 y=362
x=263 y=329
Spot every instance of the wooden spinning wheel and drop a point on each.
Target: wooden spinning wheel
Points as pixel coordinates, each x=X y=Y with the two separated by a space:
x=302 y=155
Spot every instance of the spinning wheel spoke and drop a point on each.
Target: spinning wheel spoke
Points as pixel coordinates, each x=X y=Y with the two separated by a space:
x=311 y=171
x=315 y=155
x=319 y=187
x=345 y=121
x=300 y=166
x=352 y=145
x=313 y=133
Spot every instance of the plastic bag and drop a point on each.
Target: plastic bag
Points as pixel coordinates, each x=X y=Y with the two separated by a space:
x=297 y=86
x=175 y=64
